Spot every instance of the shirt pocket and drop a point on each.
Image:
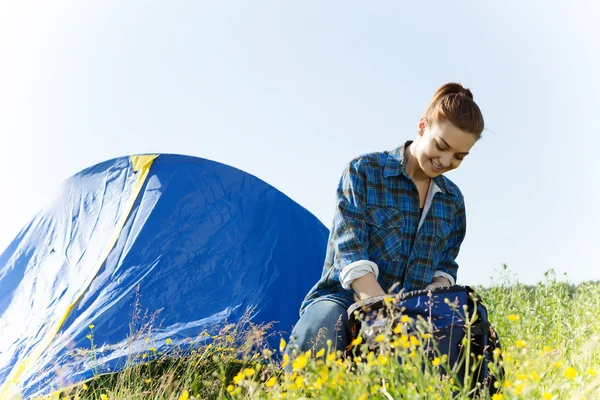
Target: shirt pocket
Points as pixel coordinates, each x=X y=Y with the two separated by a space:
x=385 y=225
x=442 y=234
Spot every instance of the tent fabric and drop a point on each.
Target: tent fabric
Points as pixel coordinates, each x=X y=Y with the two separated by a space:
x=195 y=241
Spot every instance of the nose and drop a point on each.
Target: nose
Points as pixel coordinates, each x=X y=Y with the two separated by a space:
x=446 y=160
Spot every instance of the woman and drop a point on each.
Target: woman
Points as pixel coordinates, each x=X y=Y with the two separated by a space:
x=399 y=222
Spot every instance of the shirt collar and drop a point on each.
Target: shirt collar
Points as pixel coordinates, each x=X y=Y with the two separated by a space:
x=396 y=165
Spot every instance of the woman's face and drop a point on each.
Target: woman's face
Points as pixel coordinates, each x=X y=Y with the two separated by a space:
x=441 y=147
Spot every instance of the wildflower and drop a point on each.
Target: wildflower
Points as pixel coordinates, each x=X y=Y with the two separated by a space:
x=91 y=326
x=570 y=373
x=103 y=397
x=239 y=378
x=497 y=352
x=152 y=349
x=168 y=341
x=547 y=396
x=379 y=338
x=498 y=396
x=299 y=382
x=147 y=380
x=547 y=349
x=405 y=318
x=89 y=337
x=512 y=317
x=282 y=344
x=320 y=353
x=435 y=362
x=382 y=360
x=414 y=341
x=270 y=382
x=300 y=362
x=230 y=388
x=330 y=357
x=147 y=339
x=85 y=387
x=397 y=329
x=286 y=360
x=592 y=372
x=249 y=372
x=557 y=364
x=185 y=395
x=357 y=341
x=520 y=343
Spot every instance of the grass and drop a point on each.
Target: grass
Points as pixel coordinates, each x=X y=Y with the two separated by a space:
x=549 y=334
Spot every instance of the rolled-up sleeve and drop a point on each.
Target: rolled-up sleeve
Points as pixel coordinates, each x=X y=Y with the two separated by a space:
x=448 y=266
x=349 y=232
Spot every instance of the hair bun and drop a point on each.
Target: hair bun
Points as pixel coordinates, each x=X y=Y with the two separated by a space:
x=467 y=93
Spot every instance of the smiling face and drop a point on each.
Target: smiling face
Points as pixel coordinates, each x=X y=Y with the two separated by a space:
x=441 y=147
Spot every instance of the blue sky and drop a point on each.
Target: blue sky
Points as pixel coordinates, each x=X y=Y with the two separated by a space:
x=291 y=91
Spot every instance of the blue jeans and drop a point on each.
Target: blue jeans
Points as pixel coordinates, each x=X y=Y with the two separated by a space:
x=322 y=321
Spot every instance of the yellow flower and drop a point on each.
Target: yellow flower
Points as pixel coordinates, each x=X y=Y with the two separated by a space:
x=330 y=357
x=299 y=382
x=300 y=362
x=379 y=338
x=405 y=318
x=91 y=326
x=557 y=364
x=152 y=349
x=382 y=360
x=103 y=397
x=547 y=349
x=498 y=396
x=520 y=343
x=249 y=372
x=185 y=395
x=89 y=336
x=147 y=339
x=320 y=353
x=270 y=382
x=397 y=329
x=239 y=378
x=282 y=344
x=85 y=387
x=512 y=317
x=147 y=380
x=168 y=341
x=570 y=373
x=230 y=388
x=286 y=360
x=592 y=372
x=435 y=362
x=357 y=341
x=414 y=341
x=547 y=396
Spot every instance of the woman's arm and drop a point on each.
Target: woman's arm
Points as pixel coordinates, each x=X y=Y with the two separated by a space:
x=367 y=286
x=349 y=235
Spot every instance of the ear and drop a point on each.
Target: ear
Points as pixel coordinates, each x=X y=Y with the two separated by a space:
x=422 y=126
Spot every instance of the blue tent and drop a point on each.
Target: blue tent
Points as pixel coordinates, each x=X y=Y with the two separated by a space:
x=197 y=241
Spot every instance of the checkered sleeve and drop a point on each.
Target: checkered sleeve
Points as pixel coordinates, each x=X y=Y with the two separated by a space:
x=448 y=264
x=349 y=233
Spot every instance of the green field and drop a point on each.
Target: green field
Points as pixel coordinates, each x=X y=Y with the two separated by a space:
x=549 y=333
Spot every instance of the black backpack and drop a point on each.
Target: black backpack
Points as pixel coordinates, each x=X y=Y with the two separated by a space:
x=442 y=310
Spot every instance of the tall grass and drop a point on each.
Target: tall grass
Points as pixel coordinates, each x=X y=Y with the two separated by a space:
x=549 y=334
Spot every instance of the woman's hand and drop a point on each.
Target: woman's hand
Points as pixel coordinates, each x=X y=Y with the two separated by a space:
x=438 y=281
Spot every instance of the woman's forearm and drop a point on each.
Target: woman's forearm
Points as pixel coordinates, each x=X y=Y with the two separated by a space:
x=367 y=286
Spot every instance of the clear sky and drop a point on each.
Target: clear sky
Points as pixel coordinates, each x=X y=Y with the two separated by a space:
x=290 y=91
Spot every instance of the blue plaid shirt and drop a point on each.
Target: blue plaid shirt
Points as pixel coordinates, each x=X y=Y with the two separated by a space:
x=377 y=217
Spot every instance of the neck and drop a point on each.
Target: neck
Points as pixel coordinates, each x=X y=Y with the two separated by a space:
x=412 y=165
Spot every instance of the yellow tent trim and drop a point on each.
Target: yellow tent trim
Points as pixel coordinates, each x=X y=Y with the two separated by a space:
x=141 y=165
